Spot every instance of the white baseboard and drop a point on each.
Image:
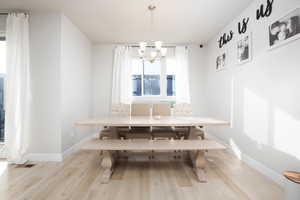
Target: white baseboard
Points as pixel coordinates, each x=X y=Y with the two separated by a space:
x=271 y=174
x=45 y=157
x=57 y=157
x=76 y=147
x=36 y=157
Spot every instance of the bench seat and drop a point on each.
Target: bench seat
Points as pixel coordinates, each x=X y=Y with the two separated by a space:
x=144 y=145
x=196 y=148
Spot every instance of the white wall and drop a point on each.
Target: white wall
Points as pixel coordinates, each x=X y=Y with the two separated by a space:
x=102 y=61
x=45 y=76
x=197 y=77
x=76 y=82
x=61 y=84
x=262 y=97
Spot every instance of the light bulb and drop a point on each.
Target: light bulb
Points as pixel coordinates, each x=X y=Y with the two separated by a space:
x=143 y=45
x=158 y=45
x=163 y=52
x=141 y=52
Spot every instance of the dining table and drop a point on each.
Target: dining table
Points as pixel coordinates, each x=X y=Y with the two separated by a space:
x=197 y=147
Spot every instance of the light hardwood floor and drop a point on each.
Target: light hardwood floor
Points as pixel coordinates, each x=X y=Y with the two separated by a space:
x=79 y=177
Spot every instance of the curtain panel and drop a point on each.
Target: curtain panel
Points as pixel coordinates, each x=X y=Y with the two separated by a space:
x=182 y=75
x=18 y=92
x=121 y=81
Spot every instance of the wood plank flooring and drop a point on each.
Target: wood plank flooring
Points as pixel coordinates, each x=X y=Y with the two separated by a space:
x=79 y=178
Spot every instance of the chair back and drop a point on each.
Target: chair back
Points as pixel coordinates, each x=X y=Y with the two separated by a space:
x=140 y=109
x=120 y=110
x=161 y=109
x=182 y=110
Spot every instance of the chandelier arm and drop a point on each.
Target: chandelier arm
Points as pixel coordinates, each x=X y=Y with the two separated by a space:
x=159 y=52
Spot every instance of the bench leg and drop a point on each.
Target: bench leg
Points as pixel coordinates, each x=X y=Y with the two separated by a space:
x=107 y=164
x=199 y=166
x=114 y=133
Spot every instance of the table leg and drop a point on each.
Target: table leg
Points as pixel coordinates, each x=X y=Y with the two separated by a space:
x=114 y=133
x=199 y=166
x=198 y=158
x=192 y=134
x=107 y=164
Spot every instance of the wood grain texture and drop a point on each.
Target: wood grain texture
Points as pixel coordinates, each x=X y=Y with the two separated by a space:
x=144 y=145
x=79 y=178
x=149 y=121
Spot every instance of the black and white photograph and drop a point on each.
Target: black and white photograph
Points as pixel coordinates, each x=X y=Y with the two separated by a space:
x=285 y=29
x=221 y=62
x=244 y=49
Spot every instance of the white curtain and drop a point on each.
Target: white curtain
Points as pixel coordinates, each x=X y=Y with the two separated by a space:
x=17 y=96
x=122 y=84
x=182 y=75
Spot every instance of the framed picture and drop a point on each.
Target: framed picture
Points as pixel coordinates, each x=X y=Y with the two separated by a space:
x=244 y=49
x=221 y=62
x=285 y=29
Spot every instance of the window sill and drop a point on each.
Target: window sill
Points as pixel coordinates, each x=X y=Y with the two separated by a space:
x=153 y=99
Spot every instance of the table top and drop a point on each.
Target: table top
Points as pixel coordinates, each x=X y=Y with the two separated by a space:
x=115 y=121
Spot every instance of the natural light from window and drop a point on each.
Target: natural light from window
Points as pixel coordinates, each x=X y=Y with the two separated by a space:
x=171 y=72
x=2 y=57
x=146 y=78
x=152 y=73
x=153 y=79
x=2 y=80
x=3 y=166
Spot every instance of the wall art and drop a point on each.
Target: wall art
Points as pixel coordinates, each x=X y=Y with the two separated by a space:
x=285 y=29
x=221 y=61
x=242 y=26
x=265 y=11
x=225 y=38
x=244 y=48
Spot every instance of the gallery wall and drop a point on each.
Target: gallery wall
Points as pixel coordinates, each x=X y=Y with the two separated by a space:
x=261 y=97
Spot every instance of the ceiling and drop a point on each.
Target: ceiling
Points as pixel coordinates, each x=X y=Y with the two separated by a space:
x=128 y=21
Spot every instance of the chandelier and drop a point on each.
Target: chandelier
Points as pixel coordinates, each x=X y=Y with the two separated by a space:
x=152 y=50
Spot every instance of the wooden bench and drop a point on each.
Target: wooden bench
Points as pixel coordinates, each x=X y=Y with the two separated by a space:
x=197 y=148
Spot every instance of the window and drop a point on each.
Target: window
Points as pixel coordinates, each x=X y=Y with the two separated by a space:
x=155 y=80
x=170 y=71
x=2 y=82
x=137 y=71
x=151 y=79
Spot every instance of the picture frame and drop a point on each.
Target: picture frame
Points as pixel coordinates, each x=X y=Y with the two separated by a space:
x=285 y=29
x=221 y=61
x=244 y=48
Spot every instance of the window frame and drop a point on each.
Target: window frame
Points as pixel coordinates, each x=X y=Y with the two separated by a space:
x=163 y=85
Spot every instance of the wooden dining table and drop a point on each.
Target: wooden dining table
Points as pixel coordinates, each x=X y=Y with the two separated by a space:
x=159 y=121
x=193 y=143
